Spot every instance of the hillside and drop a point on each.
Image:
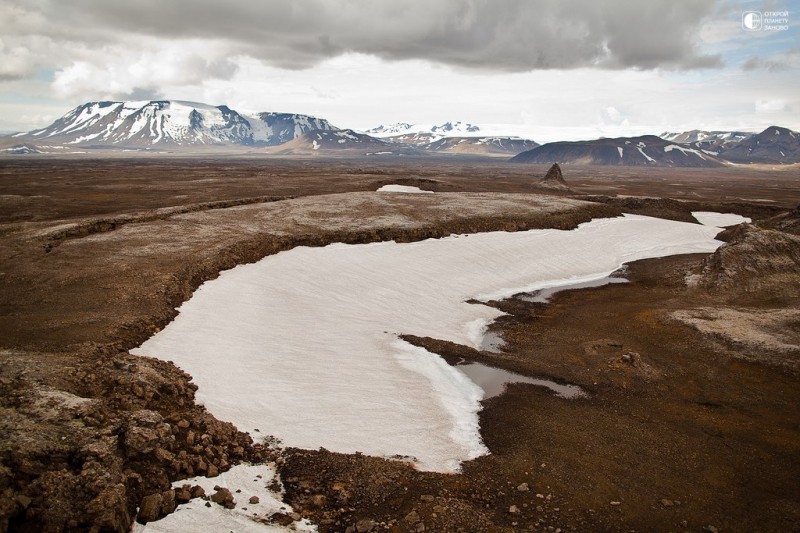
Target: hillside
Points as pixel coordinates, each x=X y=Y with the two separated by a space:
x=712 y=141
x=493 y=146
x=773 y=145
x=341 y=142
x=168 y=124
x=647 y=150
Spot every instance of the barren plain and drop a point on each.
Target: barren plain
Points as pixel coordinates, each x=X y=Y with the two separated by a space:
x=692 y=368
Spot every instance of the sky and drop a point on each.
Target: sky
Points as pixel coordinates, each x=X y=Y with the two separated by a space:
x=544 y=69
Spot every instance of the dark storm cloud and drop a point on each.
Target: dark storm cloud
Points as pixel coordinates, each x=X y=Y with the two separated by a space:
x=510 y=35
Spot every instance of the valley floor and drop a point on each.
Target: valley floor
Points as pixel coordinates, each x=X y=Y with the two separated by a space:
x=691 y=369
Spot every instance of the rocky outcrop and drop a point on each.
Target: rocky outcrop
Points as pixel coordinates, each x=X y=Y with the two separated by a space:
x=788 y=222
x=762 y=265
x=554 y=179
x=112 y=438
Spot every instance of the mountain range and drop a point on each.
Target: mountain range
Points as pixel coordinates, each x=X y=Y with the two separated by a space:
x=179 y=126
x=773 y=145
x=341 y=142
x=434 y=132
x=695 y=148
x=168 y=123
x=713 y=141
x=647 y=150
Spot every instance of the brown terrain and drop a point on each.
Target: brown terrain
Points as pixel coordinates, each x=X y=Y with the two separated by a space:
x=692 y=368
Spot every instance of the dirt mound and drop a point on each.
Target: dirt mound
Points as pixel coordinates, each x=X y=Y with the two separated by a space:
x=757 y=264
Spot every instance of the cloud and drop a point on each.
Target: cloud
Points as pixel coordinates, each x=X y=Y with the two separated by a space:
x=507 y=35
x=776 y=105
x=125 y=71
x=759 y=63
x=611 y=116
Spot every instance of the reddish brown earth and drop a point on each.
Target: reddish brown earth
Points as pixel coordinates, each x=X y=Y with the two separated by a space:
x=691 y=420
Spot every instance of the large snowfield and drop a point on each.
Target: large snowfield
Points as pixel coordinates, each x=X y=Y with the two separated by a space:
x=303 y=345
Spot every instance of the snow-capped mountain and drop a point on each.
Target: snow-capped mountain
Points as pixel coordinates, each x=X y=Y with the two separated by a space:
x=647 y=150
x=170 y=123
x=433 y=141
x=400 y=128
x=413 y=139
x=773 y=145
x=278 y=128
x=436 y=131
x=341 y=142
x=505 y=146
x=714 y=141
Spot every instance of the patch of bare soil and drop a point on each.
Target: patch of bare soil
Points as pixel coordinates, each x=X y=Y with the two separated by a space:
x=678 y=433
x=771 y=334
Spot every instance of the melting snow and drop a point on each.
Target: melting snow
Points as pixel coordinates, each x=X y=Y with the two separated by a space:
x=252 y=480
x=493 y=381
x=644 y=154
x=261 y=130
x=85 y=138
x=315 y=145
x=303 y=345
x=619 y=148
x=402 y=188
x=719 y=220
x=672 y=147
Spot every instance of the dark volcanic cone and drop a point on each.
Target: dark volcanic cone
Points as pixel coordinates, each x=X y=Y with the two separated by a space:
x=554 y=179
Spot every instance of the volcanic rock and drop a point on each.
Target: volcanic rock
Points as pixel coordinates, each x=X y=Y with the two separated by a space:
x=223 y=497
x=554 y=179
x=150 y=508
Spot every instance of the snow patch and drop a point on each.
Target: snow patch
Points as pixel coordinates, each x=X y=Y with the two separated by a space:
x=251 y=480
x=620 y=149
x=685 y=150
x=402 y=188
x=644 y=154
x=303 y=345
x=719 y=220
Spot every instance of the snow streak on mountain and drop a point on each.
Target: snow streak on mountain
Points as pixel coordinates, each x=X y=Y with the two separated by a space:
x=172 y=123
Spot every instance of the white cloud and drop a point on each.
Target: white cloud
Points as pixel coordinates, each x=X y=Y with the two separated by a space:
x=777 y=105
x=233 y=61
x=117 y=72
